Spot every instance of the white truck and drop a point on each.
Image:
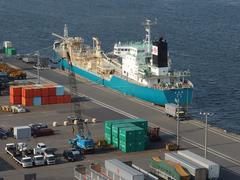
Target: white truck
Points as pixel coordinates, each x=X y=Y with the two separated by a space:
x=13 y=151
x=38 y=160
x=49 y=159
x=174 y=110
x=41 y=147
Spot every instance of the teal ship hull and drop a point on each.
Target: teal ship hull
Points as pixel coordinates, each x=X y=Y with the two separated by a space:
x=152 y=95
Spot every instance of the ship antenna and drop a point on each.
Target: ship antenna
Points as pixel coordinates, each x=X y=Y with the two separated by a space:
x=65 y=31
x=147 y=25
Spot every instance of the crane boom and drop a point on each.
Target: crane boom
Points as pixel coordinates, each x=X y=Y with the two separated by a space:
x=58 y=36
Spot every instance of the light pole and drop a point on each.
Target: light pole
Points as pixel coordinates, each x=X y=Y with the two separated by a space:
x=177 y=100
x=206 y=114
x=38 y=67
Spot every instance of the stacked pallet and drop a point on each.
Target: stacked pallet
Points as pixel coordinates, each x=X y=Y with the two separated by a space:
x=128 y=135
x=36 y=95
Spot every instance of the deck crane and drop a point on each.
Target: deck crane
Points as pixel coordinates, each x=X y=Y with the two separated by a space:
x=83 y=139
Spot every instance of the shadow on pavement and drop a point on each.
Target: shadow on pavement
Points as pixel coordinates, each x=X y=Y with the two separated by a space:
x=5 y=166
x=228 y=174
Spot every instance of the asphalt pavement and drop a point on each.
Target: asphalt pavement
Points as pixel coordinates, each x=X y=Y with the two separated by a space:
x=223 y=147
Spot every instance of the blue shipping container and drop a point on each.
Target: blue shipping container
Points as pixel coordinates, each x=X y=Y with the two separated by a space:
x=59 y=90
x=37 y=101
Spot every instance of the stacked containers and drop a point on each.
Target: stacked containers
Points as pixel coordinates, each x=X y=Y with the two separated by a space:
x=128 y=135
x=39 y=95
x=8 y=49
x=116 y=132
x=15 y=93
x=132 y=139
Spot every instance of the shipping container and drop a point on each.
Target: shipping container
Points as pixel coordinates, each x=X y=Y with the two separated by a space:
x=7 y=44
x=37 y=91
x=27 y=101
x=116 y=128
x=15 y=90
x=37 y=101
x=122 y=170
x=213 y=168
x=59 y=90
x=22 y=132
x=44 y=91
x=14 y=100
x=10 y=51
x=27 y=92
x=52 y=100
x=196 y=170
x=67 y=99
x=44 y=100
x=51 y=90
x=168 y=169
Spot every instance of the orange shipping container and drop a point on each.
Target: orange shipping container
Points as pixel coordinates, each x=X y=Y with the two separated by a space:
x=44 y=100
x=67 y=99
x=27 y=101
x=45 y=92
x=51 y=90
x=60 y=99
x=37 y=92
x=52 y=100
x=15 y=90
x=28 y=92
x=14 y=100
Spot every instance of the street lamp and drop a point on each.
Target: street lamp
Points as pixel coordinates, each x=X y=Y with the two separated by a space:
x=177 y=100
x=38 y=67
x=206 y=114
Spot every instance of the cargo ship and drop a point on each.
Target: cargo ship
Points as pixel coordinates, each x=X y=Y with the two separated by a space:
x=141 y=69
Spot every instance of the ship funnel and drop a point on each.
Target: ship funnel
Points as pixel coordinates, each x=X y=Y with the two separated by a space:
x=160 y=53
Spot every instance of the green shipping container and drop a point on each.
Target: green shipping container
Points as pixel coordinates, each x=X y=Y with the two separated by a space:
x=126 y=147
x=10 y=51
x=116 y=128
x=139 y=146
x=115 y=141
x=132 y=134
x=165 y=167
x=138 y=122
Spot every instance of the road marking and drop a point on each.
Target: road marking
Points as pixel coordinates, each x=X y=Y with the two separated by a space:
x=212 y=151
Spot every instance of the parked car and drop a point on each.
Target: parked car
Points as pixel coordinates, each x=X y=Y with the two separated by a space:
x=72 y=155
x=41 y=147
x=37 y=125
x=3 y=135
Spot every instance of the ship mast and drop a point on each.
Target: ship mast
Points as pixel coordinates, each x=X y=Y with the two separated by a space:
x=65 y=33
x=147 y=24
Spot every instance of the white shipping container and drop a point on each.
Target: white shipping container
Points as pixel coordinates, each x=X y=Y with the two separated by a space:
x=7 y=44
x=213 y=168
x=122 y=170
x=196 y=170
x=22 y=132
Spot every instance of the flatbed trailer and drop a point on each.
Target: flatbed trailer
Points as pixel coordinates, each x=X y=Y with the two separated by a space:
x=24 y=161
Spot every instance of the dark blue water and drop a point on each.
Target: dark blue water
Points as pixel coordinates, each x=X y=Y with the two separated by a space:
x=203 y=36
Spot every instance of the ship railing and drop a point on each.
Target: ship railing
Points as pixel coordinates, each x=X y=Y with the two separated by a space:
x=173 y=86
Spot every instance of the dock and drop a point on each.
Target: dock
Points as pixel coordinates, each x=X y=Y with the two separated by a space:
x=103 y=103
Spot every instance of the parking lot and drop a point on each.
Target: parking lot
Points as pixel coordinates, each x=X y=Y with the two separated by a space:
x=57 y=113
